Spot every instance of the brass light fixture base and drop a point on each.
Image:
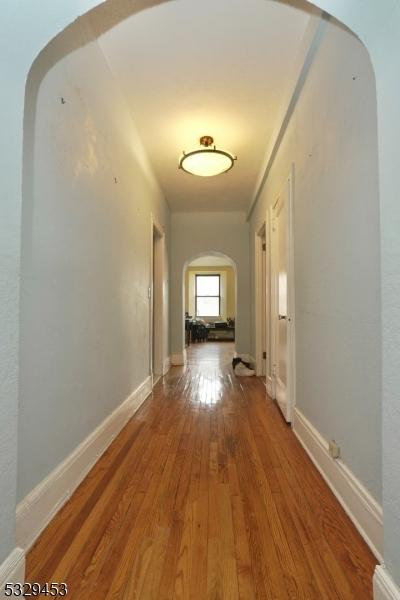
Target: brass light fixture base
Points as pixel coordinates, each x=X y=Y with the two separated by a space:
x=206 y=140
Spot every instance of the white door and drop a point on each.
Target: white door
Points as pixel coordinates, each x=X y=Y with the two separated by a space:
x=264 y=304
x=282 y=296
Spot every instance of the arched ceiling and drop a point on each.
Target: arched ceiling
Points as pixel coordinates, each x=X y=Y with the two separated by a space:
x=218 y=67
x=211 y=261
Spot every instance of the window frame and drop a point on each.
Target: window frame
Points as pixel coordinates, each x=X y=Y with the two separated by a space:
x=199 y=296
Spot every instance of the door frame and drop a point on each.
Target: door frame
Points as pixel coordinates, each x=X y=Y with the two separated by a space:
x=291 y=355
x=156 y=299
x=262 y=337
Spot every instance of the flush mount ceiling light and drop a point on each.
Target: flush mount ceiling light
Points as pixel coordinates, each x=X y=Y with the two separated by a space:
x=207 y=161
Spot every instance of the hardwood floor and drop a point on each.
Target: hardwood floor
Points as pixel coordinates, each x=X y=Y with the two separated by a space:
x=205 y=494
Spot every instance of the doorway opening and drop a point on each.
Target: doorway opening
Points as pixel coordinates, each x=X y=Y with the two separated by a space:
x=158 y=315
x=210 y=300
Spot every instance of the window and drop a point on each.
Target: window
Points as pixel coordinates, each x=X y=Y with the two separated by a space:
x=208 y=298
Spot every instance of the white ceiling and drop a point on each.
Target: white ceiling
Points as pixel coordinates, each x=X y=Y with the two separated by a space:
x=216 y=67
x=210 y=261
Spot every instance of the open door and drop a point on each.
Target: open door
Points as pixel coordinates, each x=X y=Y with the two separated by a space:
x=282 y=288
x=262 y=301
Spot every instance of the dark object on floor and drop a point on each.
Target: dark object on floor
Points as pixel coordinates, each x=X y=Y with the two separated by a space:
x=198 y=331
x=238 y=360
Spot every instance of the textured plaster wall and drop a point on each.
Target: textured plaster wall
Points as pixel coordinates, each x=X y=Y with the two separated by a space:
x=89 y=195
x=23 y=33
x=378 y=25
x=332 y=141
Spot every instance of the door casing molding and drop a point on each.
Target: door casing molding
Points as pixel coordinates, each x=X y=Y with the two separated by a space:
x=291 y=366
x=156 y=295
x=261 y=345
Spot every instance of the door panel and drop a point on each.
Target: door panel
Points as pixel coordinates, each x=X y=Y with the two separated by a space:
x=281 y=319
x=264 y=305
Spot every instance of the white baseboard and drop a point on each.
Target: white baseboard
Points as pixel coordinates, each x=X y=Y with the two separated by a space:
x=358 y=503
x=259 y=366
x=166 y=365
x=270 y=387
x=179 y=359
x=37 y=509
x=12 y=570
x=250 y=359
x=384 y=586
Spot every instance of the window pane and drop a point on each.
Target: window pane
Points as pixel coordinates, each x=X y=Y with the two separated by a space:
x=207 y=285
x=207 y=307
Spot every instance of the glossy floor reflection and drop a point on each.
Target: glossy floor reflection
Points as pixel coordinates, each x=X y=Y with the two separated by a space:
x=205 y=494
x=208 y=364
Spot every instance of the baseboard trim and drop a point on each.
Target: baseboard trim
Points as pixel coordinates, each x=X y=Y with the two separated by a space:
x=12 y=570
x=252 y=361
x=270 y=387
x=166 y=365
x=358 y=503
x=384 y=586
x=178 y=359
x=37 y=509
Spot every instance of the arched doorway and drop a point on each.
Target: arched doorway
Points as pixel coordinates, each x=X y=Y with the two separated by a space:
x=209 y=289
x=376 y=25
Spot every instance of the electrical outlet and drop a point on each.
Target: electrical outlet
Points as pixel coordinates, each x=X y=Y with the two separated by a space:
x=334 y=449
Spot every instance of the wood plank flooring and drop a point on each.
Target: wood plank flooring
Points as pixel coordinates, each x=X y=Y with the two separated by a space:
x=205 y=494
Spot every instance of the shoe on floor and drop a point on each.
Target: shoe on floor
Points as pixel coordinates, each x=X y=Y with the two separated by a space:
x=242 y=371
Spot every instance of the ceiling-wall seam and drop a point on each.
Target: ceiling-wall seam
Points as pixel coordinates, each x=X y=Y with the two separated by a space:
x=301 y=79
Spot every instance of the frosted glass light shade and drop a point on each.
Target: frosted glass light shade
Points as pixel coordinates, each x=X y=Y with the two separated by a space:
x=207 y=162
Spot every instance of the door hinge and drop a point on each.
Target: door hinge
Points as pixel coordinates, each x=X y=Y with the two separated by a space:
x=264 y=355
x=264 y=247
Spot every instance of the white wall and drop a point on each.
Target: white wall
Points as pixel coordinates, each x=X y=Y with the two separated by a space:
x=332 y=140
x=89 y=194
x=18 y=22
x=198 y=233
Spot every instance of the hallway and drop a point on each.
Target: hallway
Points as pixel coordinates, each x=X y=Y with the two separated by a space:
x=206 y=493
